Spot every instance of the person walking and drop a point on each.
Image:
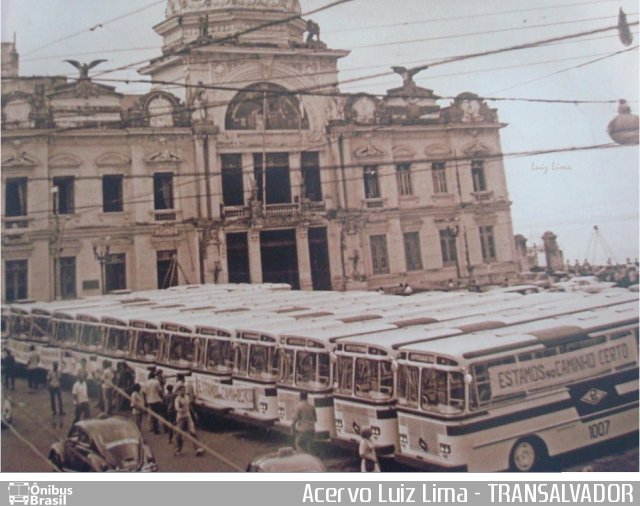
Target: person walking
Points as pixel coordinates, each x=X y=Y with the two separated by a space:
x=304 y=423
x=170 y=410
x=107 y=387
x=33 y=361
x=9 y=370
x=153 y=394
x=369 y=460
x=137 y=404
x=184 y=421
x=55 y=390
x=80 y=394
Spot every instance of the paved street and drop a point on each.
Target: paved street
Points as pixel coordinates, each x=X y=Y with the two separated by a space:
x=238 y=443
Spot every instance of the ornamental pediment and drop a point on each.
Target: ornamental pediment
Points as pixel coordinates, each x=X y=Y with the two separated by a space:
x=163 y=156
x=19 y=160
x=476 y=149
x=64 y=160
x=368 y=151
x=403 y=152
x=437 y=151
x=113 y=159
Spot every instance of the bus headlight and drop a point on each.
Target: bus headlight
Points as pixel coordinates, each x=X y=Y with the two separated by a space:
x=338 y=423
x=263 y=407
x=404 y=439
x=445 y=449
x=375 y=431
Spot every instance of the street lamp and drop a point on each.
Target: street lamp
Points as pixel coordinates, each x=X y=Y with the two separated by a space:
x=101 y=253
x=452 y=233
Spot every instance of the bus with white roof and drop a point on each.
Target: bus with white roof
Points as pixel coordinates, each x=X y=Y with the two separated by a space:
x=509 y=398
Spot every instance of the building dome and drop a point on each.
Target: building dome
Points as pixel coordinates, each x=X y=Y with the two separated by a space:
x=178 y=7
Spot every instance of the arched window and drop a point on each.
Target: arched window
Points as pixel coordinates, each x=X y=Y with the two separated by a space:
x=283 y=110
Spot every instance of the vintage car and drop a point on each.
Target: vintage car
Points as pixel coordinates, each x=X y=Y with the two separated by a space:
x=286 y=460
x=106 y=444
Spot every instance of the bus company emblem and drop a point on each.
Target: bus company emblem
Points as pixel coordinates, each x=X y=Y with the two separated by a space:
x=593 y=396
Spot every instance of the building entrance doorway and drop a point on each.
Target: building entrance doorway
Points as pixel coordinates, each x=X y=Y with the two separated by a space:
x=279 y=257
x=319 y=257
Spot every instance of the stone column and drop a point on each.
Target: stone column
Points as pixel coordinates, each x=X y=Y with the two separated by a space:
x=255 y=257
x=304 y=259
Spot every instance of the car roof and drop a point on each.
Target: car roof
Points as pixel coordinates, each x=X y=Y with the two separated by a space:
x=98 y=424
x=286 y=460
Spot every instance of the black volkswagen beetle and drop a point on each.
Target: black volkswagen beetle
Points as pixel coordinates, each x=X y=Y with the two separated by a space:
x=99 y=445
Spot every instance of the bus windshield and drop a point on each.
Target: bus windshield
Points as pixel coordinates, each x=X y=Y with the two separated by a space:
x=284 y=359
x=408 y=385
x=147 y=345
x=241 y=356
x=262 y=362
x=219 y=355
x=117 y=340
x=90 y=336
x=65 y=332
x=19 y=326
x=374 y=379
x=344 y=374
x=312 y=369
x=441 y=391
x=39 y=328
x=182 y=349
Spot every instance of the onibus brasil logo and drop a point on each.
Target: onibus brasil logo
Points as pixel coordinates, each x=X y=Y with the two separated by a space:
x=21 y=492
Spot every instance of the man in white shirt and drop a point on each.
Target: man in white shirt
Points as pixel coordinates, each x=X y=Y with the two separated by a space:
x=81 y=398
x=153 y=393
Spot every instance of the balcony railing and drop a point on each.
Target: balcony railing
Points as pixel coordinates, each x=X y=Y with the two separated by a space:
x=377 y=203
x=482 y=196
x=165 y=214
x=236 y=212
x=281 y=209
x=17 y=222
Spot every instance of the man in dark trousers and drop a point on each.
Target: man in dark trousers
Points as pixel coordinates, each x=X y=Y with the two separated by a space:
x=304 y=423
x=9 y=370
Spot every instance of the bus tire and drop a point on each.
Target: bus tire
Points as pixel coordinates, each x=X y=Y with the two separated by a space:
x=527 y=455
x=55 y=460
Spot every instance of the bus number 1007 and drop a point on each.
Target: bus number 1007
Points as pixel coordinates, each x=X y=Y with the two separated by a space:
x=599 y=429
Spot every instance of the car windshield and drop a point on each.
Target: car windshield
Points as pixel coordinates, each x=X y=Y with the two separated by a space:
x=121 y=442
x=442 y=391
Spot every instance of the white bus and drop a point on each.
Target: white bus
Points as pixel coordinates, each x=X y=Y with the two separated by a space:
x=366 y=393
x=509 y=398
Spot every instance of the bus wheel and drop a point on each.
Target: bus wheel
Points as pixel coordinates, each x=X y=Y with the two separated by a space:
x=526 y=455
x=55 y=460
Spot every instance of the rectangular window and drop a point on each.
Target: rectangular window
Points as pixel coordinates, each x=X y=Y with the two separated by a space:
x=379 y=255
x=232 y=185
x=439 y=175
x=112 y=193
x=67 y=274
x=448 y=247
x=412 y=251
x=64 y=199
x=15 y=197
x=488 y=243
x=403 y=173
x=15 y=272
x=311 y=176
x=116 y=272
x=371 y=185
x=167 y=267
x=278 y=183
x=477 y=173
x=163 y=190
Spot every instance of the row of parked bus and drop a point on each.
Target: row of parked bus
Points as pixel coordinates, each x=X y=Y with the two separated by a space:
x=477 y=381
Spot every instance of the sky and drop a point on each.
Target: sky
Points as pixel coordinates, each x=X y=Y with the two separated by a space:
x=567 y=192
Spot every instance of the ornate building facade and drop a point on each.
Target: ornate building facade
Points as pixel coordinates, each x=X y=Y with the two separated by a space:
x=244 y=163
